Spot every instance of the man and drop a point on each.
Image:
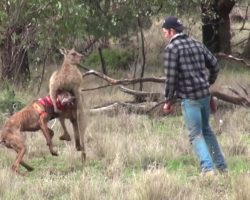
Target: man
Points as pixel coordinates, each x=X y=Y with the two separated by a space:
x=190 y=69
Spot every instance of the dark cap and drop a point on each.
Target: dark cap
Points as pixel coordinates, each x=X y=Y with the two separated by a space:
x=174 y=23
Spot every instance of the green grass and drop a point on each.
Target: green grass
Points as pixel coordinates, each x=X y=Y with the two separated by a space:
x=239 y=164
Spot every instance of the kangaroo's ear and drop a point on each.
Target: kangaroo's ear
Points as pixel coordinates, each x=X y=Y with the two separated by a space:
x=63 y=51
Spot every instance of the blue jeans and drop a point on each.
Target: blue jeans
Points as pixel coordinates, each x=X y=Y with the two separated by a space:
x=204 y=142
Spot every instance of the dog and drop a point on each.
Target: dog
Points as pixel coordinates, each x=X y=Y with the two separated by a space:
x=34 y=117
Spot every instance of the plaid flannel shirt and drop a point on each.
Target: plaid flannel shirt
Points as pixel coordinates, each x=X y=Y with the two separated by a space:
x=190 y=68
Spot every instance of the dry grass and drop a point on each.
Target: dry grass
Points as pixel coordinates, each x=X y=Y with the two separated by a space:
x=160 y=185
x=242 y=187
x=129 y=157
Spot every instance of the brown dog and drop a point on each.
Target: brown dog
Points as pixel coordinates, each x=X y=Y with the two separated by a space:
x=33 y=117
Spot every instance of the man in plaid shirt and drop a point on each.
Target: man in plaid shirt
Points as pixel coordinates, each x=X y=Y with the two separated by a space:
x=190 y=69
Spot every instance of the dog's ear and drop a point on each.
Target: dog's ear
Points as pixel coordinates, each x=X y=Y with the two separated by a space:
x=67 y=99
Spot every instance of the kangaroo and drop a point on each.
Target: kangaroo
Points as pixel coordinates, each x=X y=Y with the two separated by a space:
x=69 y=78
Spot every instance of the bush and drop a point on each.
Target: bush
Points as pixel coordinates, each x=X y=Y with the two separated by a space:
x=114 y=59
x=9 y=102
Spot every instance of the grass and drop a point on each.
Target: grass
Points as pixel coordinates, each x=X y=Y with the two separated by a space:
x=130 y=157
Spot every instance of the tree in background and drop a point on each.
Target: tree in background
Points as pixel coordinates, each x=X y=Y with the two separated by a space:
x=27 y=25
x=32 y=29
x=216 y=25
x=246 y=52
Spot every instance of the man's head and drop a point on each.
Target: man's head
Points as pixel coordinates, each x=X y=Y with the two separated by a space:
x=173 y=22
x=171 y=26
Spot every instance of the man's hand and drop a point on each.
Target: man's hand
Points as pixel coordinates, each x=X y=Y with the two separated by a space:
x=168 y=108
x=213 y=104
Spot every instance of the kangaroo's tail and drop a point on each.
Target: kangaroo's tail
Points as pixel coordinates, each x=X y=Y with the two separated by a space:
x=82 y=121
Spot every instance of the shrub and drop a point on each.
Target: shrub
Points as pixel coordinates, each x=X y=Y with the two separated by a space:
x=9 y=102
x=114 y=59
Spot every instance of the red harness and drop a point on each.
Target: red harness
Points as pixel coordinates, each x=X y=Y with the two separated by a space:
x=48 y=105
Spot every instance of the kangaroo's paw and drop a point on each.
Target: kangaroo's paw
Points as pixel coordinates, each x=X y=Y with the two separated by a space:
x=65 y=137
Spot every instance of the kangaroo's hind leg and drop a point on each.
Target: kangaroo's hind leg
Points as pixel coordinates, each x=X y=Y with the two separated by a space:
x=65 y=135
x=81 y=122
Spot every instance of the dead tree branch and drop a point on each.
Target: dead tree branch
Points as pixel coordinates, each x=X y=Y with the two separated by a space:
x=237 y=99
x=223 y=55
x=125 y=107
x=245 y=19
x=147 y=96
x=112 y=81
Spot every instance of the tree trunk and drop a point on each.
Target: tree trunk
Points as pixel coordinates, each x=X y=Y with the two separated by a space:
x=103 y=65
x=216 y=25
x=246 y=53
x=14 y=58
x=225 y=36
x=142 y=51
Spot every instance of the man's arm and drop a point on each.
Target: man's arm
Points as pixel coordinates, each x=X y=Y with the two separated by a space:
x=171 y=71
x=212 y=65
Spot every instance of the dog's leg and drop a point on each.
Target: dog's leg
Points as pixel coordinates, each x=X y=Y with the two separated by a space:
x=20 y=153
x=47 y=133
x=65 y=135
x=14 y=140
x=51 y=133
x=17 y=143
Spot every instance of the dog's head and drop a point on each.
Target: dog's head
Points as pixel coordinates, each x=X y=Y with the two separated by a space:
x=66 y=98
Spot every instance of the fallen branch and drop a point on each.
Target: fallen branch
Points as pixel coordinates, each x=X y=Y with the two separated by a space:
x=223 y=55
x=150 y=96
x=240 y=42
x=228 y=98
x=238 y=99
x=118 y=107
x=112 y=81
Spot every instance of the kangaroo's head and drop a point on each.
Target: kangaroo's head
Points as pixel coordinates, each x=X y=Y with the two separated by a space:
x=71 y=56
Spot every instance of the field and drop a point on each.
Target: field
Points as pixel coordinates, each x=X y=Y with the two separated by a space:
x=134 y=157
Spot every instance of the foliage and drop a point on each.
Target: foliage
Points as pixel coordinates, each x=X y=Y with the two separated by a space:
x=114 y=59
x=9 y=102
x=53 y=24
